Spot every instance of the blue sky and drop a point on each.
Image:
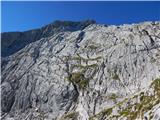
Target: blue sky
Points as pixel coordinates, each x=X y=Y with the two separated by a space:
x=21 y=16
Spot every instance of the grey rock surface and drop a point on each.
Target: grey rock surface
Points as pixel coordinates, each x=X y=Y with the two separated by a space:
x=81 y=71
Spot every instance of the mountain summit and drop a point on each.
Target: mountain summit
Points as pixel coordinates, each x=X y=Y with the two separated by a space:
x=82 y=71
x=14 y=41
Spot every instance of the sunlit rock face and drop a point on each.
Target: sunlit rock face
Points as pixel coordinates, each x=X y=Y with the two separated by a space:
x=82 y=71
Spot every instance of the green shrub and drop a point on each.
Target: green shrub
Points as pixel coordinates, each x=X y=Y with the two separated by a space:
x=92 y=47
x=70 y=116
x=113 y=96
x=115 y=76
x=107 y=111
x=125 y=112
x=79 y=79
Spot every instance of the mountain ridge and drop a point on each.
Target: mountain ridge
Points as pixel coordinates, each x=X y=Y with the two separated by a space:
x=17 y=41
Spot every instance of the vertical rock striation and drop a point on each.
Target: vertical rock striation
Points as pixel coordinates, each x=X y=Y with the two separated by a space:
x=82 y=71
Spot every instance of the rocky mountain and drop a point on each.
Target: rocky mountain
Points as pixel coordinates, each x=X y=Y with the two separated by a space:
x=81 y=71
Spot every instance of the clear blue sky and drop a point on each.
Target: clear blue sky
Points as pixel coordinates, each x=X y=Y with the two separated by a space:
x=21 y=16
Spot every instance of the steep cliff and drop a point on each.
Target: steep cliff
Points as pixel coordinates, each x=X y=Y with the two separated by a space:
x=82 y=71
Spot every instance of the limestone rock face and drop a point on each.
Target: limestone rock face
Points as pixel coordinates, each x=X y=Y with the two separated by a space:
x=82 y=71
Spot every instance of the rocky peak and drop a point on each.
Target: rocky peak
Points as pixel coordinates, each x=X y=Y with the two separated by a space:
x=14 y=41
x=59 y=23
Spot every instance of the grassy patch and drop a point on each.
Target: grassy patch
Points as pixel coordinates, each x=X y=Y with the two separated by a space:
x=79 y=58
x=113 y=96
x=125 y=112
x=70 y=116
x=92 y=47
x=107 y=111
x=102 y=113
x=156 y=85
x=85 y=67
x=115 y=76
x=79 y=79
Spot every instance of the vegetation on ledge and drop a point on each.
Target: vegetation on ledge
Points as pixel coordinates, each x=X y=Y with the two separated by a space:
x=78 y=78
x=70 y=116
x=133 y=109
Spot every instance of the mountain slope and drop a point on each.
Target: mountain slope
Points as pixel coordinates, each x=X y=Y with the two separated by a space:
x=96 y=72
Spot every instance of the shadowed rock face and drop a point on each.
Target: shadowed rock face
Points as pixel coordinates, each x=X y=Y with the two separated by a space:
x=82 y=71
x=14 y=41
